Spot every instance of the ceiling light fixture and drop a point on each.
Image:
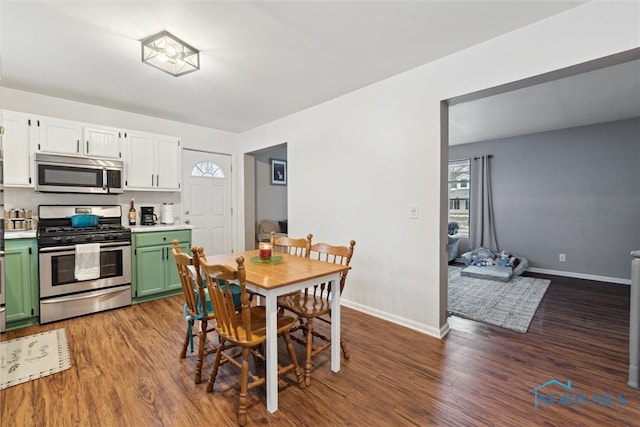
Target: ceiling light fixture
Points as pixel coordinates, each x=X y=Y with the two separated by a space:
x=168 y=53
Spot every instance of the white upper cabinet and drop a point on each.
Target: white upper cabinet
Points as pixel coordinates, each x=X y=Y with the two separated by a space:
x=168 y=158
x=139 y=160
x=59 y=136
x=20 y=130
x=152 y=162
x=102 y=142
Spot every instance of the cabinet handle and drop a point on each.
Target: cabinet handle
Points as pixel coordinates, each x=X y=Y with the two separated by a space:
x=87 y=147
x=78 y=146
x=152 y=180
x=158 y=180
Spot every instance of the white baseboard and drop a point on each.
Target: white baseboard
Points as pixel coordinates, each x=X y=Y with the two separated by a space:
x=420 y=327
x=617 y=280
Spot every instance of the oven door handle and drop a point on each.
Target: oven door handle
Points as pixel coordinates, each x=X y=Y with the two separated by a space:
x=69 y=249
x=79 y=297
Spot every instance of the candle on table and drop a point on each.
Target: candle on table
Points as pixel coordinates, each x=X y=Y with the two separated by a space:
x=265 y=250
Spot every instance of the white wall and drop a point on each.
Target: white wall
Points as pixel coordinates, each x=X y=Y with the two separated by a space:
x=358 y=161
x=572 y=191
x=196 y=137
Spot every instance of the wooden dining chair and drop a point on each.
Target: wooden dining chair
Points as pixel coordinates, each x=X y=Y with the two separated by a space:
x=315 y=303
x=292 y=246
x=245 y=330
x=194 y=292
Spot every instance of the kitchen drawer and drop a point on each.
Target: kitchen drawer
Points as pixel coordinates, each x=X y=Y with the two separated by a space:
x=161 y=238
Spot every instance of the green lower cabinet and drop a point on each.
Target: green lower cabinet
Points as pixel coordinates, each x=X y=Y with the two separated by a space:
x=155 y=274
x=21 y=281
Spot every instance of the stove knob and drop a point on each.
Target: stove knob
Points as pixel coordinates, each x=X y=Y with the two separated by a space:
x=56 y=239
x=69 y=239
x=90 y=238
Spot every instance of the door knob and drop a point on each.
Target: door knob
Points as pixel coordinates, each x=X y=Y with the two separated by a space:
x=187 y=212
x=186 y=221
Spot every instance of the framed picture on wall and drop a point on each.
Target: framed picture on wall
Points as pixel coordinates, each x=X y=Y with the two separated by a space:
x=278 y=172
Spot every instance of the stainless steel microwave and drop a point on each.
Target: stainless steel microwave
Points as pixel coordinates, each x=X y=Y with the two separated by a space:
x=66 y=174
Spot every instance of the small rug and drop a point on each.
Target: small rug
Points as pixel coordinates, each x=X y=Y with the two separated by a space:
x=32 y=357
x=510 y=305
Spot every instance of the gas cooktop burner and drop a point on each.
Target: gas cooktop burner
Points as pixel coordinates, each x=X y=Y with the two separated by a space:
x=69 y=229
x=56 y=236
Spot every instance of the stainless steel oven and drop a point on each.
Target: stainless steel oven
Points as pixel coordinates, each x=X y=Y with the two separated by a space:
x=62 y=293
x=57 y=269
x=62 y=296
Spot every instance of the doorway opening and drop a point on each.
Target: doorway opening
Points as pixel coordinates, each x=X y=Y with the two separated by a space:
x=266 y=193
x=482 y=123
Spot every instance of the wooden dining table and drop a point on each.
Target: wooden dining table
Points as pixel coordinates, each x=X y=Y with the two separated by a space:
x=271 y=280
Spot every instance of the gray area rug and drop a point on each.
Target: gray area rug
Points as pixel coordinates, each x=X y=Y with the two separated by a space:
x=510 y=305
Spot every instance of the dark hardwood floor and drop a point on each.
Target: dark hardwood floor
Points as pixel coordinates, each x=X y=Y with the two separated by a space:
x=126 y=371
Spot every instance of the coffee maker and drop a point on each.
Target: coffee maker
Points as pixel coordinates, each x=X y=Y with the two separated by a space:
x=147 y=216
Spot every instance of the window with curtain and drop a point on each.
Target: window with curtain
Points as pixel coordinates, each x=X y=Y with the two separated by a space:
x=459 y=180
x=207 y=169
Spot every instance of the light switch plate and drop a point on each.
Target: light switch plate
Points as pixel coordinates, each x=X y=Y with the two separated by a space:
x=413 y=211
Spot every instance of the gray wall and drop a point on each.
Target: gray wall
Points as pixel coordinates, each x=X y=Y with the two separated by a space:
x=574 y=191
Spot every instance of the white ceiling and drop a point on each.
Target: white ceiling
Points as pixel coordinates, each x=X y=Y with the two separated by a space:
x=599 y=96
x=260 y=61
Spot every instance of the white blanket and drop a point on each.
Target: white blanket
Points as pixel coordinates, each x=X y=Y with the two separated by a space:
x=87 y=261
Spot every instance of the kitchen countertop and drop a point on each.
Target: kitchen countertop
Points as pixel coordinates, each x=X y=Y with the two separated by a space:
x=159 y=227
x=31 y=234
x=23 y=234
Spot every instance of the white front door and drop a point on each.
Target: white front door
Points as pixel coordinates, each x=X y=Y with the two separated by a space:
x=206 y=199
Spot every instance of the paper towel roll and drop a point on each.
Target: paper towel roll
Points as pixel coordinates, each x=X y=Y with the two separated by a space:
x=167 y=213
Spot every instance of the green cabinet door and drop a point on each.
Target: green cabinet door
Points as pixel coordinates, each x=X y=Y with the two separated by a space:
x=171 y=271
x=21 y=279
x=155 y=272
x=150 y=270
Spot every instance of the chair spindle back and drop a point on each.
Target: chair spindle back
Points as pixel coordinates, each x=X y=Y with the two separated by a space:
x=292 y=246
x=334 y=254
x=191 y=287
x=218 y=278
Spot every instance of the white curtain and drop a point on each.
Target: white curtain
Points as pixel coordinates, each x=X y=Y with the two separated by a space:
x=483 y=230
